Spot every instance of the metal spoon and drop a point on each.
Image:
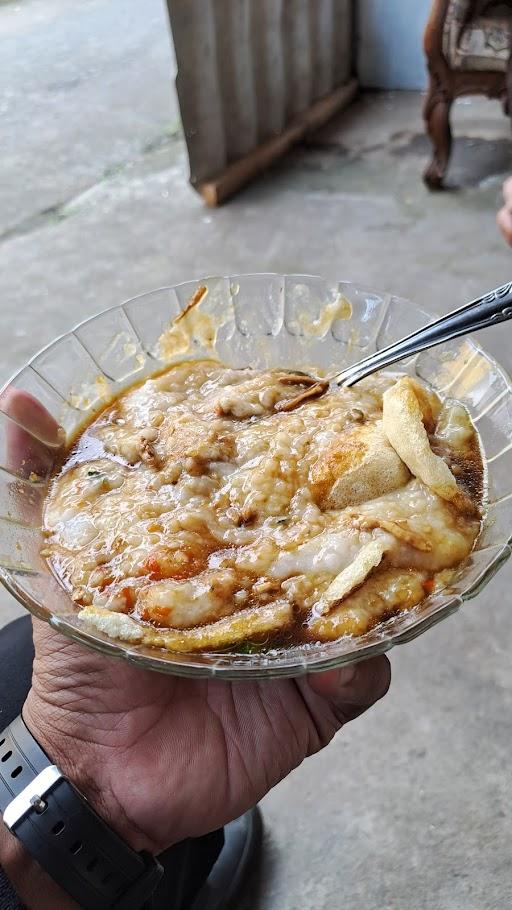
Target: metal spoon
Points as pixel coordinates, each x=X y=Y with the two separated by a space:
x=490 y=309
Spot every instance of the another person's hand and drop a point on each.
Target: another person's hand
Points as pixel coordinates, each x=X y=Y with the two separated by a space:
x=504 y=216
x=163 y=758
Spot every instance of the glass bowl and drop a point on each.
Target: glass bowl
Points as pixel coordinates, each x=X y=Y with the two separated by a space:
x=261 y=320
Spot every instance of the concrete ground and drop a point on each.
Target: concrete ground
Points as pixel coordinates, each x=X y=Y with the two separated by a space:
x=409 y=809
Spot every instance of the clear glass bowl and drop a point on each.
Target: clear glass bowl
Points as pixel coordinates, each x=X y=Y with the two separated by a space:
x=261 y=320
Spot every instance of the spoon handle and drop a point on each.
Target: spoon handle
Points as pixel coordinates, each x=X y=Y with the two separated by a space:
x=491 y=309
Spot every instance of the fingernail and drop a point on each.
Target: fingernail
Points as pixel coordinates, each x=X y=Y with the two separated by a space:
x=346 y=675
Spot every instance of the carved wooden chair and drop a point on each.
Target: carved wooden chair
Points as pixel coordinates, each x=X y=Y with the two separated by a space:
x=468 y=44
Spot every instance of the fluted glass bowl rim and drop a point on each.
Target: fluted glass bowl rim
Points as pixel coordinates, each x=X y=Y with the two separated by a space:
x=288 y=663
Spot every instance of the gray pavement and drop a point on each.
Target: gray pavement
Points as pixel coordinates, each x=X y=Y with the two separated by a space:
x=409 y=808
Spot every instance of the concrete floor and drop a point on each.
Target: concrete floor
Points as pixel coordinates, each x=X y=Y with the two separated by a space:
x=410 y=808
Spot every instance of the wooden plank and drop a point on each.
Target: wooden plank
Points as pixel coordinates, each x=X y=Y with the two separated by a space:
x=220 y=188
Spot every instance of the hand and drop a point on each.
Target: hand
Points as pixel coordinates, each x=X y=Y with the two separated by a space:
x=163 y=758
x=504 y=216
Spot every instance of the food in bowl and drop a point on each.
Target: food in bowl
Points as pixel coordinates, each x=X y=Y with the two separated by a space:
x=211 y=508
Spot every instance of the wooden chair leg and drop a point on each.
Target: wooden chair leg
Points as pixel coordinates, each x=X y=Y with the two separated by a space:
x=437 y=119
x=507 y=101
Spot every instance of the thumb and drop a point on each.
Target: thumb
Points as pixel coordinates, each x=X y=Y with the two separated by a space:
x=352 y=690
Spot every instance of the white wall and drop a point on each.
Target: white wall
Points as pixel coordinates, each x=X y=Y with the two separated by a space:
x=390 y=53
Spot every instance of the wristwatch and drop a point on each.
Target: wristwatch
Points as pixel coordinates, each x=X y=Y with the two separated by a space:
x=60 y=829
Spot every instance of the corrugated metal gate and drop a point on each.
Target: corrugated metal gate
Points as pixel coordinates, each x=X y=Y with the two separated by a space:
x=253 y=77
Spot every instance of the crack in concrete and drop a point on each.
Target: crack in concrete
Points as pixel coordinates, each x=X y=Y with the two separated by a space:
x=58 y=212
x=51 y=215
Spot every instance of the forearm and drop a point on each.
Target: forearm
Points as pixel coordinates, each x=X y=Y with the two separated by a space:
x=32 y=885
x=35 y=889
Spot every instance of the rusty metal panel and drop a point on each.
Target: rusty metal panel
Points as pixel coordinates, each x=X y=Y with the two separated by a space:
x=322 y=47
x=193 y=25
x=296 y=31
x=248 y=68
x=344 y=63
x=236 y=75
x=270 y=84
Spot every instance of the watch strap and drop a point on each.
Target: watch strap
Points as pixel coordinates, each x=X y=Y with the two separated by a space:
x=21 y=759
x=61 y=830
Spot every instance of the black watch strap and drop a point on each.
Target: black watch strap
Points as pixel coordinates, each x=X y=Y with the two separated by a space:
x=61 y=830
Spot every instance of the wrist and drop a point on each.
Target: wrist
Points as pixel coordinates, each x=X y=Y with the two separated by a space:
x=89 y=765
x=34 y=887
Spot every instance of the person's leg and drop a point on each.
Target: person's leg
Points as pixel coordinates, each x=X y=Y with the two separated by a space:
x=186 y=869
x=16 y=658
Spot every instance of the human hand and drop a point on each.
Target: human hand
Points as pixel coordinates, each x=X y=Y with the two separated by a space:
x=163 y=758
x=504 y=216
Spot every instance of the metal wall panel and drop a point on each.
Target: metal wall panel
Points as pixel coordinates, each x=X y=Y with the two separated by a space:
x=246 y=68
x=270 y=81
